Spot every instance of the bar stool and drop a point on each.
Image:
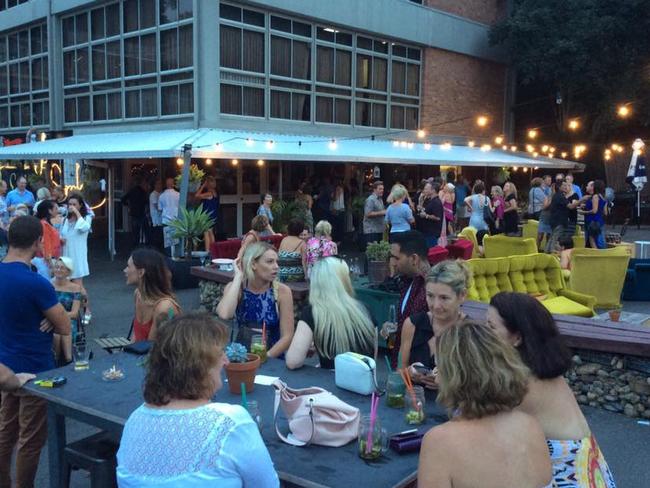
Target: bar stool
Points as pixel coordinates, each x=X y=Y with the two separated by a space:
x=95 y=454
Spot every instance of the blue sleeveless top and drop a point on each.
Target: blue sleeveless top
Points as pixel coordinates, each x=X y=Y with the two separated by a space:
x=599 y=216
x=259 y=308
x=211 y=206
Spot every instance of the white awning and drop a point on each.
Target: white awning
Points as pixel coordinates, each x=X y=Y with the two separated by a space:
x=225 y=144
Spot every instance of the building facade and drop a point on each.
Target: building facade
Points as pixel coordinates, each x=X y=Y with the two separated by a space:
x=341 y=68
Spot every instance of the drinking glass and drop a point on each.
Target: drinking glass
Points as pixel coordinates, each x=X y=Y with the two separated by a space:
x=390 y=327
x=395 y=389
x=81 y=353
x=377 y=436
x=258 y=346
x=415 y=406
x=254 y=411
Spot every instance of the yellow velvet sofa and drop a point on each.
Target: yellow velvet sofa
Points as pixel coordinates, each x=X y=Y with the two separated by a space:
x=469 y=233
x=501 y=246
x=529 y=231
x=599 y=272
x=535 y=274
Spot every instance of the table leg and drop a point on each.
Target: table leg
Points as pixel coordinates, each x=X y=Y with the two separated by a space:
x=55 y=445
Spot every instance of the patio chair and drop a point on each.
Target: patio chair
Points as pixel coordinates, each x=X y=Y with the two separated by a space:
x=95 y=454
x=637 y=280
x=501 y=246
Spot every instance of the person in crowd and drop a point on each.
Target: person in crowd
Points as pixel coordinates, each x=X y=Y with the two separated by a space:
x=265 y=210
x=19 y=195
x=26 y=299
x=259 y=225
x=320 y=246
x=574 y=202
x=42 y=194
x=338 y=213
x=292 y=255
x=510 y=209
x=74 y=235
x=10 y=381
x=137 y=201
x=476 y=204
x=373 y=214
x=69 y=295
x=334 y=320
x=559 y=218
x=4 y=218
x=544 y=228
x=179 y=436
x=154 y=299
x=168 y=205
x=461 y=191
x=576 y=188
x=498 y=204
x=479 y=240
x=594 y=208
x=399 y=215
x=303 y=195
x=305 y=235
x=431 y=215
x=209 y=197
x=156 y=228
x=448 y=198
x=48 y=213
x=59 y=197
x=446 y=290
x=408 y=254
x=323 y=200
x=536 y=198
x=254 y=296
x=523 y=322
x=421 y=198
x=565 y=245
x=489 y=442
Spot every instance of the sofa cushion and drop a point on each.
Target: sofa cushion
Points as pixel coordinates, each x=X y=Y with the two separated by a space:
x=565 y=306
x=489 y=277
x=536 y=274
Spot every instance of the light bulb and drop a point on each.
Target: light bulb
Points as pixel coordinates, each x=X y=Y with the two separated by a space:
x=532 y=134
x=234 y=162
x=427 y=146
x=421 y=133
x=260 y=162
x=482 y=121
x=208 y=162
x=179 y=161
x=270 y=144
x=250 y=142
x=332 y=144
x=471 y=144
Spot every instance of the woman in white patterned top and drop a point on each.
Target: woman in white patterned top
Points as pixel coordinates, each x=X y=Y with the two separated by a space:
x=178 y=438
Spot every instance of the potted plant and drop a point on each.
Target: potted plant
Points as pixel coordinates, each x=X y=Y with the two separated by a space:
x=378 y=254
x=242 y=368
x=196 y=176
x=190 y=226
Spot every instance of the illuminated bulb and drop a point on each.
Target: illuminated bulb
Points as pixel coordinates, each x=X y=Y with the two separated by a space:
x=551 y=149
x=395 y=143
x=514 y=168
x=620 y=149
x=179 y=161
x=250 y=142
x=608 y=156
x=43 y=136
x=471 y=143
x=218 y=147
x=530 y=148
x=445 y=146
x=486 y=147
x=332 y=144
x=544 y=148
x=410 y=145
x=402 y=144
x=208 y=162
x=421 y=133
x=260 y=162
x=269 y=145
x=535 y=168
x=482 y=121
x=504 y=147
x=234 y=162
x=427 y=146
x=532 y=134
x=498 y=140
x=574 y=124
x=564 y=154
x=525 y=170
x=513 y=148
x=535 y=154
x=623 y=111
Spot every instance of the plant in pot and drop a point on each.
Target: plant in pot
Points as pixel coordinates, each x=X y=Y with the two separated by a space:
x=378 y=254
x=242 y=368
x=196 y=176
x=190 y=225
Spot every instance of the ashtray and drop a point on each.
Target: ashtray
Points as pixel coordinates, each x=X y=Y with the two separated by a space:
x=113 y=374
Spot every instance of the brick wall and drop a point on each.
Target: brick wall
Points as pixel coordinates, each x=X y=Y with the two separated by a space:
x=484 y=11
x=456 y=86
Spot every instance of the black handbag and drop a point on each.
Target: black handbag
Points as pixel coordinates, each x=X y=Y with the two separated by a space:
x=488 y=215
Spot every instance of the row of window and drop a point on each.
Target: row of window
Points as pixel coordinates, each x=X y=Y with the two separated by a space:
x=277 y=67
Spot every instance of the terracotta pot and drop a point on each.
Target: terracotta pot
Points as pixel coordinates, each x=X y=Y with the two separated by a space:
x=238 y=373
x=377 y=271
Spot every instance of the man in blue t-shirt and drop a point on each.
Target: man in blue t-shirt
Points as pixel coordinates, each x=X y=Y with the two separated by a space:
x=19 y=195
x=29 y=313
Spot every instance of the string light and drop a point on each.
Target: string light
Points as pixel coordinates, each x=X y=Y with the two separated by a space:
x=471 y=143
x=445 y=146
x=43 y=136
x=513 y=148
x=535 y=154
x=504 y=147
x=402 y=144
x=250 y=142
x=410 y=145
x=564 y=154
x=395 y=143
x=514 y=168
x=332 y=145
x=498 y=140
x=208 y=162
x=269 y=145
x=532 y=133
x=179 y=161
x=234 y=162
x=260 y=162
x=486 y=147
x=427 y=146
x=574 y=124
x=218 y=147
x=544 y=148
x=421 y=134
x=524 y=169
x=530 y=148
x=623 y=111
x=482 y=120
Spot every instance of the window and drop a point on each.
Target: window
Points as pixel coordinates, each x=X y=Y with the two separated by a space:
x=6 y=4
x=24 y=80
x=111 y=57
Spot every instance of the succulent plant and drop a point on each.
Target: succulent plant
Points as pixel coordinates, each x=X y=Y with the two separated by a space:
x=236 y=353
x=191 y=225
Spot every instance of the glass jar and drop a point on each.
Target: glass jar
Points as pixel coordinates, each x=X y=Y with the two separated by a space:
x=415 y=406
x=258 y=346
x=373 y=440
x=254 y=411
x=395 y=389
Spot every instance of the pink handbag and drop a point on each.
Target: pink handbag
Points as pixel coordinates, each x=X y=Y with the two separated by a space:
x=315 y=416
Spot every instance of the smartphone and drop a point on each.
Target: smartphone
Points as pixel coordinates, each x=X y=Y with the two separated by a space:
x=423 y=370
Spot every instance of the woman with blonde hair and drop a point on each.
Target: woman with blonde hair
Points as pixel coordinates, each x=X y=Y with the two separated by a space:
x=321 y=245
x=498 y=204
x=446 y=289
x=179 y=436
x=334 y=320
x=399 y=214
x=255 y=297
x=488 y=443
x=259 y=225
x=510 y=209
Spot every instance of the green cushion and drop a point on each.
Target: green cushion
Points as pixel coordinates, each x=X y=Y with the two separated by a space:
x=565 y=306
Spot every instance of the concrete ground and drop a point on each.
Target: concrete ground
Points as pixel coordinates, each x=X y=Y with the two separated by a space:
x=625 y=442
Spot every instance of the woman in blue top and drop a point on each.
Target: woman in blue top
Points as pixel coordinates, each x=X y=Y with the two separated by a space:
x=265 y=209
x=209 y=197
x=595 y=207
x=399 y=215
x=254 y=296
x=476 y=204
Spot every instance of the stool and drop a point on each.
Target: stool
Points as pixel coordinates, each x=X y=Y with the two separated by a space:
x=437 y=254
x=95 y=454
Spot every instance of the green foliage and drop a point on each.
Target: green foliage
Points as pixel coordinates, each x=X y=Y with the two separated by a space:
x=358 y=203
x=236 y=353
x=284 y=211
x=190 y=225
x=378 y=251
x=196 y=175
x=594 y=53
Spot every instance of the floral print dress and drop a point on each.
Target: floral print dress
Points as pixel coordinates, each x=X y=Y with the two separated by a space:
x=317 y=248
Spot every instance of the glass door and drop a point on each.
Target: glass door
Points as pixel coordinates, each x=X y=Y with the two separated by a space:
x=240 y=186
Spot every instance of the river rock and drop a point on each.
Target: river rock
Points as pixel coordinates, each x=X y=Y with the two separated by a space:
x=610 y=398
x=588 y=369
x=641 y=387
x=629 y=410
x=602 y=373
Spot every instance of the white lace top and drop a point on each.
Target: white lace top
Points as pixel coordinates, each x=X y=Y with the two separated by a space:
x=214 y=445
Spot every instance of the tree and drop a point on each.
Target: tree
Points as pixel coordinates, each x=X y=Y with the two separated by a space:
x=590 y=54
